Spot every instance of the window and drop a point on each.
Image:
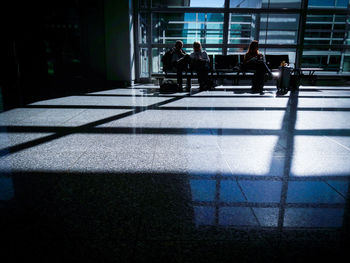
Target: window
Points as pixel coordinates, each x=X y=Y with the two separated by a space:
x=188 y=3
x=189 y=27
x=228 y=26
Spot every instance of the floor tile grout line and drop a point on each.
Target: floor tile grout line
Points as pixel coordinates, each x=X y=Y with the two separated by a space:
x=328 y=138
x=336 y=190
x=19 y=147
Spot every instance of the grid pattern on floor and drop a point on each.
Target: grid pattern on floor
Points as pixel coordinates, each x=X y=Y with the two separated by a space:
x=224 y=158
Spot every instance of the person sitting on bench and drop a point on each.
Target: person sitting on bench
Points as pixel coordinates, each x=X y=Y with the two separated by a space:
x=254 y=60
x=199 y=61
x=173 y=60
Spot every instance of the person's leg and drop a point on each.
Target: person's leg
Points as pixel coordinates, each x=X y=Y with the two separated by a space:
x=200 y=78
x=255 y=82
x=179 y=76
x=205 y=77
x=252 y=66
x=261 y=70
x=181 y=66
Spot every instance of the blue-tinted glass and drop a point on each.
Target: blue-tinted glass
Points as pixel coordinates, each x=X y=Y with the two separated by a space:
x=278 y=28
x=144 y=68
x=281 y=3
x=346 y=64
x=265 y=3
x=245 y=4
x=242 y=28
x=143 y=28
x=188 y=27
x=325 y=3
x=188 y=3
x=328 y=3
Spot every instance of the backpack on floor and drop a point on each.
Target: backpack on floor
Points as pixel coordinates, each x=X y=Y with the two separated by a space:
x=168 y=86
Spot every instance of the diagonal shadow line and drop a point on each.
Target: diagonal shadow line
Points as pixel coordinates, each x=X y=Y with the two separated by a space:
x=249 y=95
x=181 y=108
x=80 y=107
x=286 y=140
x=169 y=131
x=72 y=130
x=251 y=108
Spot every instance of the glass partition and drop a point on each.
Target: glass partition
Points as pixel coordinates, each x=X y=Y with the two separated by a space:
x=265 y=3
x=326 y=36
x=242 y=28
x=279 y=29
x=328 y=3
x=144 y=68
x=188 y=3
x=188 y=27
x=143 y=21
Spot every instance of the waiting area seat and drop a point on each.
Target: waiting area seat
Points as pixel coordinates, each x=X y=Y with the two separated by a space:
x=230 y=67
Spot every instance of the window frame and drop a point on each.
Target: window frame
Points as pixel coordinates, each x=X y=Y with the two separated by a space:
x=303 y=11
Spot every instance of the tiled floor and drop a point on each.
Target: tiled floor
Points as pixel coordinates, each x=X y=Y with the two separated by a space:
x=130 y=175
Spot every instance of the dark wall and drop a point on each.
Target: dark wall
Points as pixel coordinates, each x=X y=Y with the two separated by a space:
x=23 y=60
x=57 y=48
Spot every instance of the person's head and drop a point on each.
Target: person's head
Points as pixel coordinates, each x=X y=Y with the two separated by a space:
x=178 y=44
x=197 y=46
x=253 y=47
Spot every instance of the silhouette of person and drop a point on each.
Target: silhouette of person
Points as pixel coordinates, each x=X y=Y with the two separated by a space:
x=254 y=60
x=200 y=63
x=175 y=60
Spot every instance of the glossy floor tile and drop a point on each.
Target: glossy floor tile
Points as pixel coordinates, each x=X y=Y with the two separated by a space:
x=132 y=175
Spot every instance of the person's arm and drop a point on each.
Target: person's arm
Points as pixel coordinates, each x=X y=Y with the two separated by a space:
x=205 y=57
x=249 y=58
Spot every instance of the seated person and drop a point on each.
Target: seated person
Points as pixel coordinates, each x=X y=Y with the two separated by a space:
x=254 y=60
x=174 y=60
x=199 y=61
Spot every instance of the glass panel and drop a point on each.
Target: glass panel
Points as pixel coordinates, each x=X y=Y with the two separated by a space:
x=189 y=27
x=279 y=51
x=265 y=3
x=143 y=28
x=346 y=64
x=245 y=4
x=144 y=71
x=322 y=58
x=242 y=28
x=325 y=29
x=279 y=28
x=328 y=3
x=281 y=3
x=157 y=65
x=188 y=3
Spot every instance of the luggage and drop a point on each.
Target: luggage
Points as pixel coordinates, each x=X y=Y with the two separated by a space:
x=295 y=80
x=283 y=81
x=168 y=86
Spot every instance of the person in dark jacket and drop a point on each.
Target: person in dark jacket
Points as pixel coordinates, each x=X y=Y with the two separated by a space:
x=199 y=60
x=176 y=60
x=254 y=60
